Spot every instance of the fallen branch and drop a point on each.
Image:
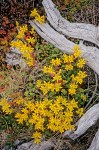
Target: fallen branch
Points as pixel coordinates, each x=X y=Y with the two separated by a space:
x=91 y=54
x=95 y=142
x=87 y=32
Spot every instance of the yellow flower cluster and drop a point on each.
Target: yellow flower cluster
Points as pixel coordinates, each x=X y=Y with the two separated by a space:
x=56 y=61
x=76 y=80
x=55 y=71
x=80 y=63
x=54 y=115
x=77 y=52
x=37 y=17
x=23 y=44
x=5 y=106
x=48 y=70
x=70 y=59
x=48 y=86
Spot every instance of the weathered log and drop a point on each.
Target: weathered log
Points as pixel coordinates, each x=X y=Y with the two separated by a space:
x=60 y=27
x=91 y=54
x=45 y=145
x=87 y=32
x=95 y=143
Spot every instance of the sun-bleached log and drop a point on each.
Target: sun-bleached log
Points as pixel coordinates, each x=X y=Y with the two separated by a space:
x=91 y=54
x=58 y=28
x=87 y=32
x=95 y=143
x=45 y=145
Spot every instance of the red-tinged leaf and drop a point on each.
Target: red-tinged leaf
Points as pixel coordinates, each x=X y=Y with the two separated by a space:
x=9 y=67
x=32 y=44
x=57 y=68
x=2 y=32
x=14 y=29
x=5 y=18
x=1 y=77
x=1 y=89
x=28 y=33
x=60 y=81
x=11 y=25
x=4 y=24
x=51 y=75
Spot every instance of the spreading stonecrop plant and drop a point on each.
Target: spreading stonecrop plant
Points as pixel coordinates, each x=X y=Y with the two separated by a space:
x=60 y=93
x=26 y=39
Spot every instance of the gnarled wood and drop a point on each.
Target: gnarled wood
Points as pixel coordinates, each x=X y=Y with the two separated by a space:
x=83 y=31
x=95 y=142
x=60 y=27
x=91 y=54
x=45 y=145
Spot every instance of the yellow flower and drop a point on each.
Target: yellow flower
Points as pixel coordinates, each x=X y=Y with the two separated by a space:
x=73 y=85
x=77 y=52
x=34 y=13
x=17 y=24
x=80 y=63
x=23 y=46
x=82 y=74
x=72 y=91
x=19 y=101
x=30 y=40
x=48 y=70
x=25 y=111
x=80 y=111
x=57 y=87
x=21 y=117
x=37 y=137
x=74 y=103
x=32 y=30
x=20 y=35
x=69 y=67
x=40 y=19
x=76 y=48
x=70 y=58
x=38 y=83
x=56 y=62
x=83 y=97
x=78 y=79
x=23 y=28
x=57 y=77
x=65 y=58
x=30 y=105
x=5 y=106
x=72 y=88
